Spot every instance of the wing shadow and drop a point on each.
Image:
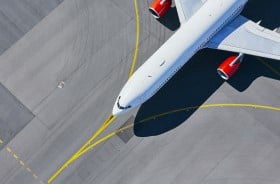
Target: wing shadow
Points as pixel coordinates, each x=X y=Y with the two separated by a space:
x=267 y=11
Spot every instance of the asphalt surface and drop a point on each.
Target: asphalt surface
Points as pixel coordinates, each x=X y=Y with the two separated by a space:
x=89 y=45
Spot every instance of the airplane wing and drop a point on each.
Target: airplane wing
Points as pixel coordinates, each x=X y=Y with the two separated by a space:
x=245 y=36
x=186 y=8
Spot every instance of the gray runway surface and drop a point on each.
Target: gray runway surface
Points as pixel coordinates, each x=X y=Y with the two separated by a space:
x=89 y=46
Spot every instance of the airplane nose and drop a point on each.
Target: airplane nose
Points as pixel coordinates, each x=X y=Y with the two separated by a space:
x=116 y=111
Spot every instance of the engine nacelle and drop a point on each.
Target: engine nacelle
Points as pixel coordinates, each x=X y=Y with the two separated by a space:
x=228 y=67
x=158 y=8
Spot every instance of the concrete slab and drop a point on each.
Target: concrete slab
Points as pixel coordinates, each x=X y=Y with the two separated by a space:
x=70 y=47
x=24 y=145
x=89 y=76
x=17 y=17
x=14 y=116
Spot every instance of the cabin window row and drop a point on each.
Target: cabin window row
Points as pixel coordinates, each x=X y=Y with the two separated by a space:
x=215 y=32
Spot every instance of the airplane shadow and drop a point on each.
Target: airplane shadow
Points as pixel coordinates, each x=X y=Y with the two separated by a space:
x=192 y=86
x=170 y=20
x=198 y=80
x=267 y=11
x=247 y=72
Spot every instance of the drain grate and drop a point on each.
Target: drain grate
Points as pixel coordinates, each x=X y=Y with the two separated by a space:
x=127 y=134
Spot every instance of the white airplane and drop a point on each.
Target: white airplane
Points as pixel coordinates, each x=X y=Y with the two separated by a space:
x=215 y=24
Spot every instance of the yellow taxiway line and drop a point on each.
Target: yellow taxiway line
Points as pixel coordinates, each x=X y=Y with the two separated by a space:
x=135 y=56
x=103 y=139
x=110 y=135
x=91 y=145
x=76 y=155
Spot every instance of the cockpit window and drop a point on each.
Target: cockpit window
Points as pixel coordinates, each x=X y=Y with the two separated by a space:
x=122 y=107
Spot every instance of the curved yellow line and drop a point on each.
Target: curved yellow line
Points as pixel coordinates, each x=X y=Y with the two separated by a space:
x=242 y=105
x=211 y=105
x=110 y=135
x=101 y=129
x=103 y=139
x=135 y=55
x=89 y=143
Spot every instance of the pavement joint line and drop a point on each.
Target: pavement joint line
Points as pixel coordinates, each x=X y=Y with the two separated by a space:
x=16 y=157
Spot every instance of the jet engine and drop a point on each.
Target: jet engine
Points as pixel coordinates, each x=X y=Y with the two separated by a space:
x=158 y=8
x=229 y=66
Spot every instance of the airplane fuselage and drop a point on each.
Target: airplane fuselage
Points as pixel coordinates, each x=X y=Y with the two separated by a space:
x=192 y=36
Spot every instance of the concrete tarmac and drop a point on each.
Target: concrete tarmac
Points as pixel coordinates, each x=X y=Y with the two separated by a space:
x=17 y=17
x=88 y=47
